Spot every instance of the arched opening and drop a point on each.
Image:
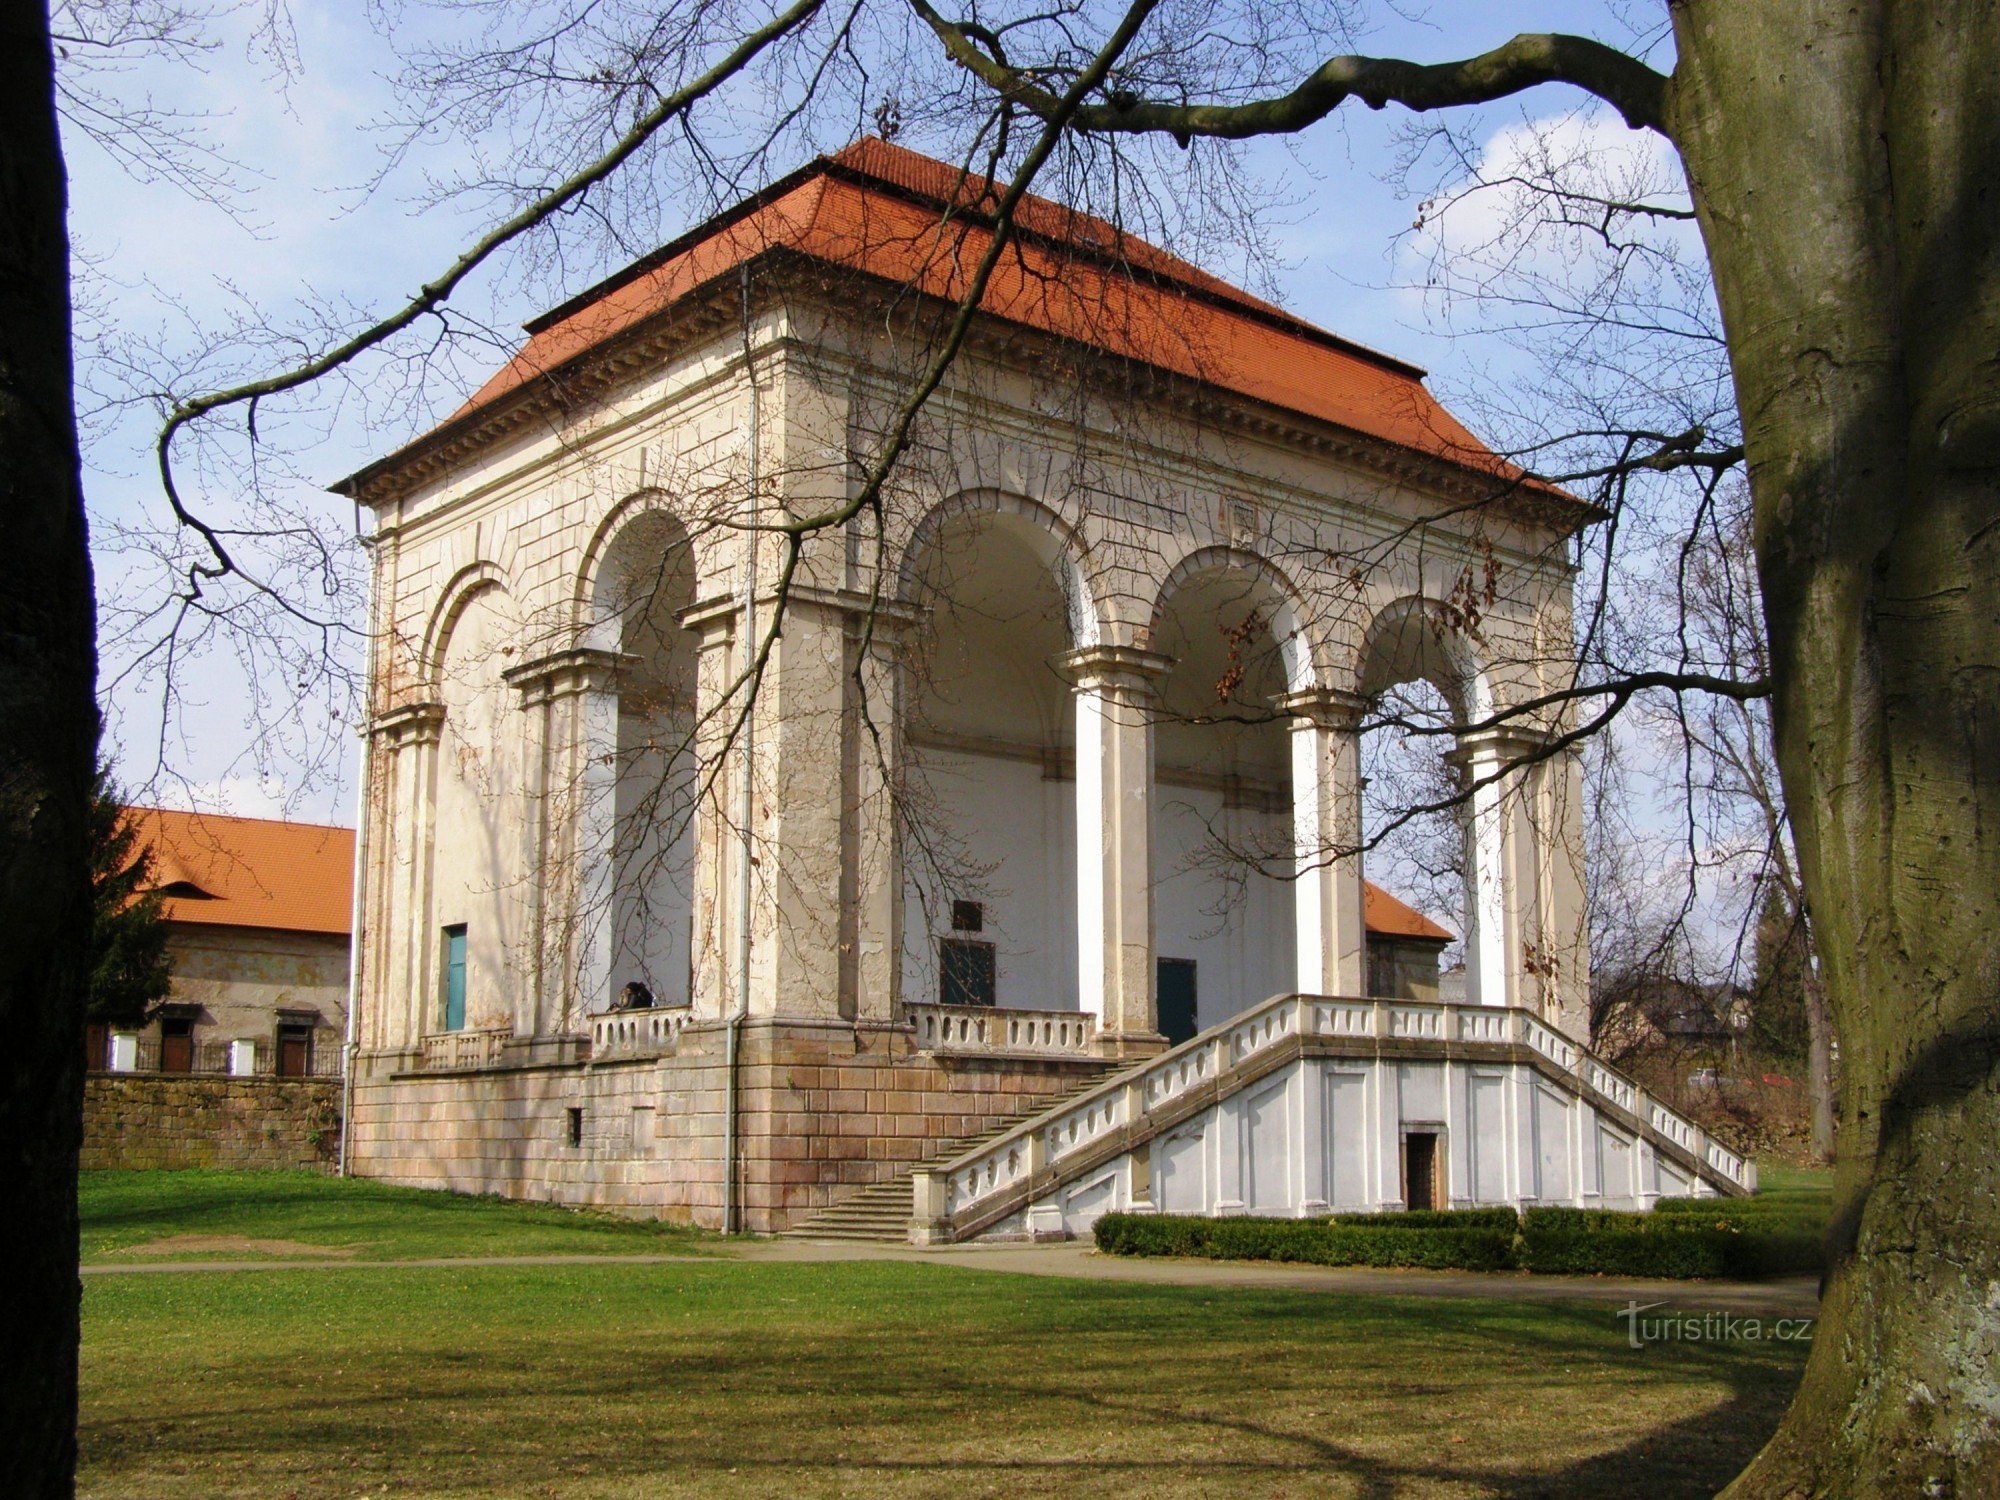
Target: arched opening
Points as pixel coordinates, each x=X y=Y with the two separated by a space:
x=645 y=581
x=1223 y=842
x=988 y=792
x=477 y=891
x=1420 y=675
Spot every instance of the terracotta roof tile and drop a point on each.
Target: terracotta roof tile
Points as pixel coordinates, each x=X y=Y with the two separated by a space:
x=1383 y=913
x=250 y=872
x=878 y=209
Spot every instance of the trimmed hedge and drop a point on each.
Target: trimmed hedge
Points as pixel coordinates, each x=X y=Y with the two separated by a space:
x=1315 y=1241
x=1435 y=1218
x=1720 y=1242
x=1553 y=1241
x=1698 y=1251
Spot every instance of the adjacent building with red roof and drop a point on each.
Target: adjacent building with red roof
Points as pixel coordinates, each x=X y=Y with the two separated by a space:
x=260 y=914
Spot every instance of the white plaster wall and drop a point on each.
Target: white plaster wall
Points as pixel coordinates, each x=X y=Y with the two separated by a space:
x=1007 y=835
x=1309 y=1138
x=1239 y=935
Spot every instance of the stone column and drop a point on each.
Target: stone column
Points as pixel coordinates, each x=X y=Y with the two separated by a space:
x=1116 y=701
x=399 y=972
x=571 y=699
x=1503 y=941
x=1565 y=916
x=1332 y=934
x=872 y=863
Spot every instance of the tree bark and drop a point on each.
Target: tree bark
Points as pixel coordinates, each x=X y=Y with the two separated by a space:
x=47 y=744
x=1819 y=1068
x=1843 y=160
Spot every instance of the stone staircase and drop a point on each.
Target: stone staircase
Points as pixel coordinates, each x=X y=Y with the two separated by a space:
x=880 y=1212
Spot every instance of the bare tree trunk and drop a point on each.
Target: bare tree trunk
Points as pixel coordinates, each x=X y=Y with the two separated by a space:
x=1819 y=1067
x=1843 y=158
x=47 y=741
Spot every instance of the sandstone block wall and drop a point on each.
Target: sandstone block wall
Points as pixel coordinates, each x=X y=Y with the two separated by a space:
x=156 y=1120
x=822 y=1111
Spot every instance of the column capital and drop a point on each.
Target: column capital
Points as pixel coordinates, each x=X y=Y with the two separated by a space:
x=410 y=724
x=580 y=669
x=1114 y=666
x=1325 y=708
x=1500 y=742
x=717 y=618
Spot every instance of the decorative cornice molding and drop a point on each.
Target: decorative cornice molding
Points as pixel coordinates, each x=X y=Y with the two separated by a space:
x=410 y=724
x=1125 y=667
x=1325 y=708
x=579 y=669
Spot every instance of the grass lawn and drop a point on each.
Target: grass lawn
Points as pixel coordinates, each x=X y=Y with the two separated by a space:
x=132 y=1216
x=1801 y=1189
x=713 y=1376
x=734 y=1378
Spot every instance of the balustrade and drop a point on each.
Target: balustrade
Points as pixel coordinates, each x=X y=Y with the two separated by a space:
x=985 y=1174
x=637 y=1033
x=988 y=1030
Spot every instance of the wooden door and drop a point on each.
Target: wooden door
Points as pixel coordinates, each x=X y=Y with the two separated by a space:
x=1420 y=1170
x=295 y=1051
x=176 y=1046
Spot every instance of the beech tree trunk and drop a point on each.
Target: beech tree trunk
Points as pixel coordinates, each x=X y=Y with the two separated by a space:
x=47 y=742
x=1819 y=1068
x=1845 y=163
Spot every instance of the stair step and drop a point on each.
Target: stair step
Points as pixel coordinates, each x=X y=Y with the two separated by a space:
x=880 y=1212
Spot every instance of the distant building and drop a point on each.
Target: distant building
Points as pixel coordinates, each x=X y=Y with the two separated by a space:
x=260 y=913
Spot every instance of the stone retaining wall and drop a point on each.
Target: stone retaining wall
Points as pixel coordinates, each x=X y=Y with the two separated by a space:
x=822 y=1110
x=172 y=1120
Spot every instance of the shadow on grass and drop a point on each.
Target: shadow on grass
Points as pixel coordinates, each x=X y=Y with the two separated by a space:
x=894 y=1379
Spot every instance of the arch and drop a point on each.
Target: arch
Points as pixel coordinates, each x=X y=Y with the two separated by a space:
x=1409 y=639
x=1052 y=539
x=1287 y=612
x=587 y=592
x=459 y=591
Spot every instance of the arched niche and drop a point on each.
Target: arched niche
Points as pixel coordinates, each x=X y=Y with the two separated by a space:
x=643 y=579
x=1223 y=816
x=478 y=892
x=987 y=785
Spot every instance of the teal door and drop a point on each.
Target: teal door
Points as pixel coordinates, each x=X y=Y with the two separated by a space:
x=1175 y=1000
x=454 y=979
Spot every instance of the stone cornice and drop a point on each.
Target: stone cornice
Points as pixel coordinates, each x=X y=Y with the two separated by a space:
x=410 y=724
x=716 y=617
x=708 y=310
x=1115 y=666
x=579 y=669
x=1324 y=708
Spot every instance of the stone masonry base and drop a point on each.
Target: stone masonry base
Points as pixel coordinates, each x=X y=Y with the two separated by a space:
x=822 y=1109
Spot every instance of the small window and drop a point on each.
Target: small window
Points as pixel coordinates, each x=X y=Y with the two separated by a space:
x=968 y=916
x=454 y=978
x=97 y=1046
x=575 y=1126
x=966 y=970
x=176 y=1044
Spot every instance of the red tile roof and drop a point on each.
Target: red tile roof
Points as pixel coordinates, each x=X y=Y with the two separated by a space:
x=879 y=209
x=1382 y=913
x=250 y=872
